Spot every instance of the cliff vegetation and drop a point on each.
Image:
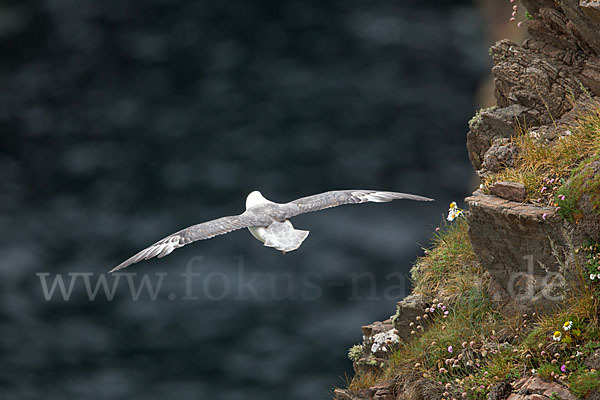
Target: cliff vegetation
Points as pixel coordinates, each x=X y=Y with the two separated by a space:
x=506 y=300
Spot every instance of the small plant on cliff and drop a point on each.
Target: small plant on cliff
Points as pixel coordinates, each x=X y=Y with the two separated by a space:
x=583 y=383
x=355 y=352
x=591 y=250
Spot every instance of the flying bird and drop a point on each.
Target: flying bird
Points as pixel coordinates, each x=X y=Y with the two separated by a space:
x=267 y=221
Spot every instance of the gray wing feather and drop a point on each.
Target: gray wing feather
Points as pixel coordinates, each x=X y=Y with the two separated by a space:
x=188 y=235
x=340 y=197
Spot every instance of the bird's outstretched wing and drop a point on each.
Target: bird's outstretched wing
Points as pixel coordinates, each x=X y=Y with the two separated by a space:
x=188 y=235
x=340 y=197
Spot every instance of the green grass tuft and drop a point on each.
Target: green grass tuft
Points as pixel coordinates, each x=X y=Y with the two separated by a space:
x=449 y=265
x=544 y=168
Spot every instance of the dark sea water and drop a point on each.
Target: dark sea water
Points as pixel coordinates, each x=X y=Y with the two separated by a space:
x=124 y=121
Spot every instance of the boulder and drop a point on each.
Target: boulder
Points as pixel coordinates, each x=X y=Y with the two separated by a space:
x=500 y=391
x=406 y=312
x=509 y=190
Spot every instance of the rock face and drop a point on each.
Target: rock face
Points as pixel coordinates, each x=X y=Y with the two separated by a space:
x=540 y=86
x=500 y=392
x=492 y=124
x=515 y=242
x=538 y=82
x=584 y=186
x=381 y=391
x=406 y=312
x=373 y=361
x=534 y=388
x=593 y=360
x=500 y=155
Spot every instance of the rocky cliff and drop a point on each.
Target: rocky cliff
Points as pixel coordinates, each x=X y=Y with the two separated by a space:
x=506 y=300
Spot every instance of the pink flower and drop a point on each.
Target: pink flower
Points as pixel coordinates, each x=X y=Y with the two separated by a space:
x=450 y=349
x=544 y=216
x=563 y=368
x=562 y=197
x=543 y=189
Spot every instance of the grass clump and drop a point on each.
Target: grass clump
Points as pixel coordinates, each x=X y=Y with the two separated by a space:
x=449 y=265
x=361 y=381
x=543 y=168
x=583 y=383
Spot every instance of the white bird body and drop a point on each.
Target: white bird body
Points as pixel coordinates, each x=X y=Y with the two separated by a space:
x=266 y=220
x=254 y=199
x=265 y=234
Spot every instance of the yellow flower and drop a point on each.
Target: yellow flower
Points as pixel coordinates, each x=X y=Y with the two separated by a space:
x=568 y=325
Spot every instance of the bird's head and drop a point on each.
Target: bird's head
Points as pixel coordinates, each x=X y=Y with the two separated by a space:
x=254 y=199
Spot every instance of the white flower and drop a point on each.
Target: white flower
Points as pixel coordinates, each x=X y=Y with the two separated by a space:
x=383 y=338
x=593 y=276
x=557 y=336
x=533 y=371
x=453 y=212
x=568 y=325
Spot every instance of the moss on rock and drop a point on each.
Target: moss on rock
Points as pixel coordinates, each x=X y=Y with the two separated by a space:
x=579 y=198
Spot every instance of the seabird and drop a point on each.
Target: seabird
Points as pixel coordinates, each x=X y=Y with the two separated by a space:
x=267 y=221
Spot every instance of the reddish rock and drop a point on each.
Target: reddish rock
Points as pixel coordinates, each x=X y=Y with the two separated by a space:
x=509 y=190
x=536 y=397
x=538 y=385
x=561 y=391
x=384 y=391
x=534 y=388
